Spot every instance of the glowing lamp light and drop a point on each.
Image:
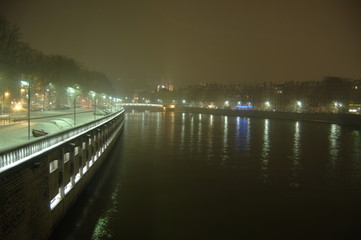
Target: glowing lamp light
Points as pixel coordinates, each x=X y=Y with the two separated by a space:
x=25 y=83
x=71 y=90
x=243 y=107
x=17 y=107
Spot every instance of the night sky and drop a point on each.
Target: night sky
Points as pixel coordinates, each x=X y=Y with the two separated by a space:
x=140 y=42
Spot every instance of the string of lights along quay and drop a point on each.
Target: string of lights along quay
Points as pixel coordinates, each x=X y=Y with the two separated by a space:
x=179 y=175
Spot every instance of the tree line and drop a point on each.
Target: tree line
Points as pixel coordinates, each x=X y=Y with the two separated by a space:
x=18 y=61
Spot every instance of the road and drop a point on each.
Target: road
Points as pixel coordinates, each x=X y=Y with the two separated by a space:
x=17 y=132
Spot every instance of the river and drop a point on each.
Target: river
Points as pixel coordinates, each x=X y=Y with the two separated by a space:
x=197 y=176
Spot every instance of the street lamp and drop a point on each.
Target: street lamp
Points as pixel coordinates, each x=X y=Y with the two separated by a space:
x=298 y=106
x=6 y=94
x=25 y=83
x=93 y=94
x=267 y=104
x=111 y=103
x=72 y=91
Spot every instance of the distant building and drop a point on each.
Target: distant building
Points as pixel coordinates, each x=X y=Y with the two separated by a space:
x=167 y=86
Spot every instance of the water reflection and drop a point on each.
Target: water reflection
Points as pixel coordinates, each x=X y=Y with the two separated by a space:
x=242 y=134
x=265 y=152
x=334 y=143
x=170 y=126
x=191 y=138
x=296 y=149
x=102 y=229
x=199 y=134
x=296 y=143
x=211 y=120
x=182 y=140
x=171 y=198
x=356 y=137
x=210 y=140
x=248 y=137
x=225 y=155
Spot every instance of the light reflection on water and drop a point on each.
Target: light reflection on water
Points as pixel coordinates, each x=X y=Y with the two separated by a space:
x=226 y=141
x=225 y=154
x=198 y=176
x=210 y=137
x=182 y=140
x=296 y=143
x=356 y=160
x=334 y=144
x=102 y=229
x=199 y=134
x=265 y=152
x=296 y=166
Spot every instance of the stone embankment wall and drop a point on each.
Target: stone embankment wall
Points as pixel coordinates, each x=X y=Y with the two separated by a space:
x=344 y=119
x=35 y=195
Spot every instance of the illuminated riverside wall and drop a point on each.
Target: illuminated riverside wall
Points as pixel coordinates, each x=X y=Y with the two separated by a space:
x=339 y=118
x=36 y=194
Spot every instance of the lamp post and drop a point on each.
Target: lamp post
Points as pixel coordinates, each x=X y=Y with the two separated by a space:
x=72 y=91
x=111 y=103
x=267 y=105
x=6 y=94
x=299 y=106
x=93 y=94
x=2 y=105
x=25 y=83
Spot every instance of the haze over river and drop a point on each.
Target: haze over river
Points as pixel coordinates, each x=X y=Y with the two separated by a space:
x=196 y=176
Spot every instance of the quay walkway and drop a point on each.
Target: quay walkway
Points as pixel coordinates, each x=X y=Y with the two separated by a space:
x=43 y=177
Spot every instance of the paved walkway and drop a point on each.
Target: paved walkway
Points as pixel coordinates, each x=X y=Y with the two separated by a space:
x=16 y=133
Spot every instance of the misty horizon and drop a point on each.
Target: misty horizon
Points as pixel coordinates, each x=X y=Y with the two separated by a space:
x=140 y=43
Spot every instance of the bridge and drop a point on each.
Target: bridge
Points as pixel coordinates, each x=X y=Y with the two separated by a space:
x=148 y=106
x=41 y=179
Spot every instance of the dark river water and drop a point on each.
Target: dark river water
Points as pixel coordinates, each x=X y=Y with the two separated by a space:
x=195 y=176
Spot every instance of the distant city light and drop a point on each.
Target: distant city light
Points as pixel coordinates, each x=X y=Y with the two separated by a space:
x=243 y=107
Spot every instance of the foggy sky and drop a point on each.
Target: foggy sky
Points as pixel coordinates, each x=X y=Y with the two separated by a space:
x=141 y=42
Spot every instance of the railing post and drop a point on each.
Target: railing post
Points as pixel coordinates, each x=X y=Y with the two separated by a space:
x=61 y=173
x=72 y=160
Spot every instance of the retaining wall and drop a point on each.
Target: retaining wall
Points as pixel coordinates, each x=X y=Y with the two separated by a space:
x=36 y=194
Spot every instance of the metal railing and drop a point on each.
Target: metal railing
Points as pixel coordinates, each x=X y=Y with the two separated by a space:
x=141 y=105
x=13 y=156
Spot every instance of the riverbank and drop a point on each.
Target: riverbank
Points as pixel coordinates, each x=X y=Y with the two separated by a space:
x=338 y=118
